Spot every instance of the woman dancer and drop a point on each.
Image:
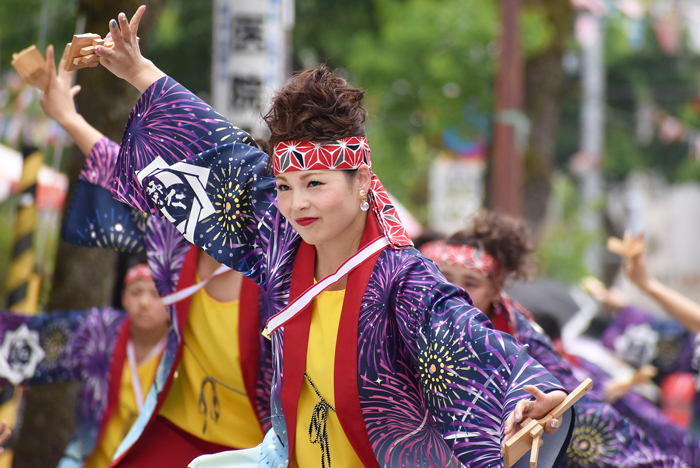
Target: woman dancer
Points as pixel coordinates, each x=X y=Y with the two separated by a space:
x=496 y=248
x=212 y=389
x=399 y=369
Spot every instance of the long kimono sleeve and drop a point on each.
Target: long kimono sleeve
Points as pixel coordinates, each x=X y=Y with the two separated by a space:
x=93 y=217
x=182 y=161
x=58 y=346
x=603 y=437
x=471 y=375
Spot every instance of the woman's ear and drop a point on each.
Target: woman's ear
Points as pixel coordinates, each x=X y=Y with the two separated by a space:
x=364 y=177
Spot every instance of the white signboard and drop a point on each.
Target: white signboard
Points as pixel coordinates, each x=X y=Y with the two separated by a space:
x=250 y=58
x=456 y=188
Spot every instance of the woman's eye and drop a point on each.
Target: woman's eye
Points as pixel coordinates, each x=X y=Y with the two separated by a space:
x=315 y=183
x=283 y=188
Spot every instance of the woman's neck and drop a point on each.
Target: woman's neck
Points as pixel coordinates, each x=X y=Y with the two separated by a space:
x=145 y=340
x=330 y=255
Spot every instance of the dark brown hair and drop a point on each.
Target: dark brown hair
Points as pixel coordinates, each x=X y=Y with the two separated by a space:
x=316 y=105
x=503 y=237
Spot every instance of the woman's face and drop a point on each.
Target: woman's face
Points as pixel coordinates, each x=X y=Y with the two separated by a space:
x=482 y=289
x=144 y=305
x=323 y=205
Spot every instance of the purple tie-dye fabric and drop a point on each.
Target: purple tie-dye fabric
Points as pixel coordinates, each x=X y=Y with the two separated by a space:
x=410 y=318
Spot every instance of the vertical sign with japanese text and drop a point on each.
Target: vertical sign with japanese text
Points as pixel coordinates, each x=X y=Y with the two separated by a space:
x=250 y=58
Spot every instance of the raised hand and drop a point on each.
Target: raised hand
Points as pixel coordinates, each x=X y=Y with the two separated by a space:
x=124 y=58
x=57 y=102
x=535 y=409
x=636 y=267
x=57 y=98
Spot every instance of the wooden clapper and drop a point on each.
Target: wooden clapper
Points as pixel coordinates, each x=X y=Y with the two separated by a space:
x=529 y=437
x=80 y=52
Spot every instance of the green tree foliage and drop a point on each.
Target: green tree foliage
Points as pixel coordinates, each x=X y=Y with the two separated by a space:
x=425 y=64
x=180 y=43
x=635 y=77
x=561 y=250
x=20 y=24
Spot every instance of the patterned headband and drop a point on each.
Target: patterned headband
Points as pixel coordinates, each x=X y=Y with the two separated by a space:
x=139 y=272
x=462 y=256
x=345 y=154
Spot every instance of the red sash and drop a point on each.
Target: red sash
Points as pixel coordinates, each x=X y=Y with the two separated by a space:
x=296 y=340
x=115 y=379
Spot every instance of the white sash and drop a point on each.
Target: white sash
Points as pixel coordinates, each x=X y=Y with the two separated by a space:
x=305 y=299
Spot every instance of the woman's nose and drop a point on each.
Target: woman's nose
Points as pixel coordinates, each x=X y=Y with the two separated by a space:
x=299 y=200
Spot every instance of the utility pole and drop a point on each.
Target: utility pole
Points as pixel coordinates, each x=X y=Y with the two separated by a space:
x=592 y=139
x=511 y=125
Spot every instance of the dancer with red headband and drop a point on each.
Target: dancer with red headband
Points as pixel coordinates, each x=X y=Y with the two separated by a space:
x=107 y=350
x=211 y=391
x=378 y=361
x=496 y=248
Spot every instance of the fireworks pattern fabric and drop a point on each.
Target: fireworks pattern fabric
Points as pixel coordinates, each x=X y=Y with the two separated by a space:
x=602 y=438
x=72 y=346
x=166 y=249
x=640 y=338
x=93 y=219
x=435 y=381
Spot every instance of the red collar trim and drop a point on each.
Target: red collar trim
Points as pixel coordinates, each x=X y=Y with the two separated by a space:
x=296 y=340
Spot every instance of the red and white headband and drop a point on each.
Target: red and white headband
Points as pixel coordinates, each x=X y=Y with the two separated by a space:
x=345 y=154
x=139 y=272
x=462 y=256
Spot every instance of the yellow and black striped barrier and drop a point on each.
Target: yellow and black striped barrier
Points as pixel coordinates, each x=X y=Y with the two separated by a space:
x=23 y=283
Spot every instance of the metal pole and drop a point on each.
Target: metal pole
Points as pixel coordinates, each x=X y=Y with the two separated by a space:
x=506 y=167
x=44 y=25
x=592 y=140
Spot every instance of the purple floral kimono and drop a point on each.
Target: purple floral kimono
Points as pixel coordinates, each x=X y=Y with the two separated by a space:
x=184 y=162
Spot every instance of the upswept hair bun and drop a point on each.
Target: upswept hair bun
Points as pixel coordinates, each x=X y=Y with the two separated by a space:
x=503 y=237
x=316 y=105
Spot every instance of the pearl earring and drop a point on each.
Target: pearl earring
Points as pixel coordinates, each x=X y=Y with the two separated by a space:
x=364 y=206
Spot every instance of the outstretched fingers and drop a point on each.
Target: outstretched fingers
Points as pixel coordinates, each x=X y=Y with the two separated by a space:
x=116 y=35
x=51 y=63
x=125 y=28
x=136 y=20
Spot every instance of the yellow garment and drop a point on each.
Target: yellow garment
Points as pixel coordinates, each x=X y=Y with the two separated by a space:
x=125 y=414
x=211 y=333
x=320 y=362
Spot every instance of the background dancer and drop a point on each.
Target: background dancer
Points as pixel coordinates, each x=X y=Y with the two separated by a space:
x=211 y=389
x=496 y=248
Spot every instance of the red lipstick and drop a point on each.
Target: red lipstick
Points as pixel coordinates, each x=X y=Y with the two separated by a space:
x=306 y=221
